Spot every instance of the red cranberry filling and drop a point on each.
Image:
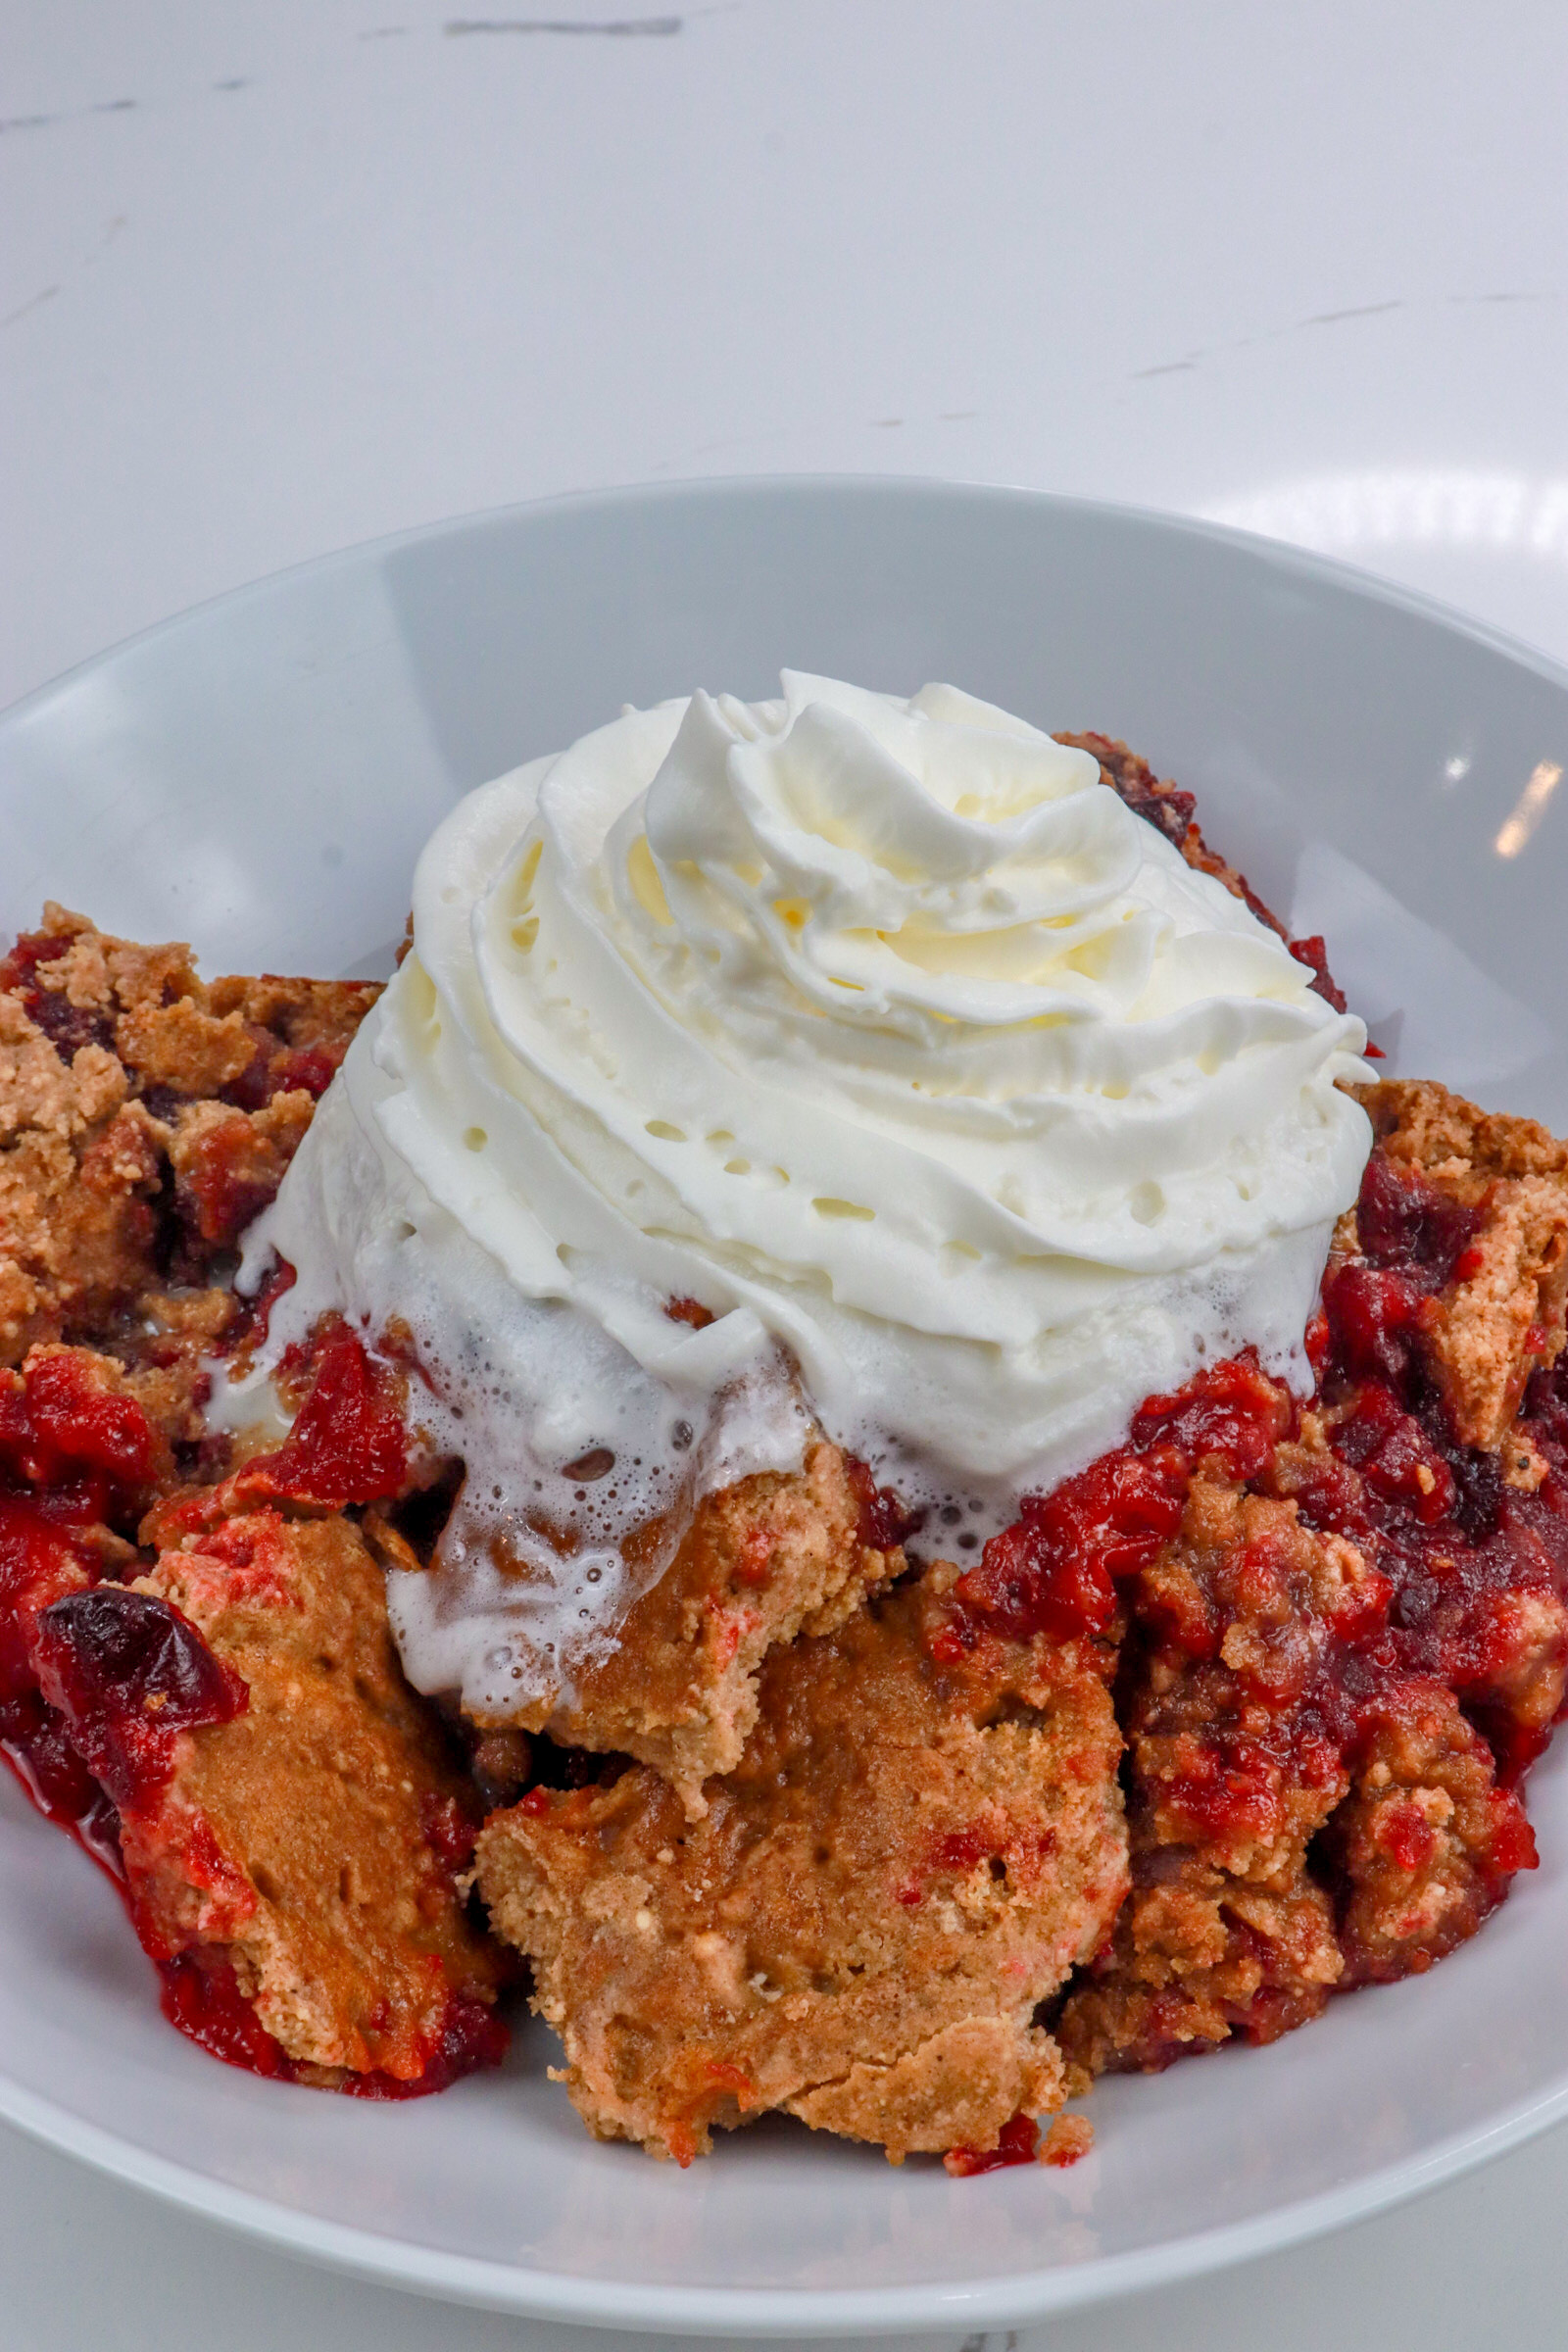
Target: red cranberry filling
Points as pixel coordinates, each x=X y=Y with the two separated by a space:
x=349 y=1442
x=1452 y=1545
x=884 y=1522
x=1057 y=1570
x=67 y=1026
x=61 y=1430
x=1230 y=1412
x=1017 y=2142
x=202 y=1997
x=72 y=1456
x=36 y=1745
x=129 y=1673
x=1451 y=1552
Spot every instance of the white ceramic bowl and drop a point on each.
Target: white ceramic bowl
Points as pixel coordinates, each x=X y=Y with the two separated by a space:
x=259 y=776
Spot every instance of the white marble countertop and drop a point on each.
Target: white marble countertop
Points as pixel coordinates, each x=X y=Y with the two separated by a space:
x=281 y=275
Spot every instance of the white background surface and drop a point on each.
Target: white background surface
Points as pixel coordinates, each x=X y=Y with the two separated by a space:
x=278 y=276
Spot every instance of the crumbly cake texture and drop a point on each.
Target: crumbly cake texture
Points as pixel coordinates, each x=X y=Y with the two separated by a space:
x=913 y=1850
x=773 y=1555
x=1333 y=1677
x=144 y=1120
x=312 y=1841
x=1499 y=1317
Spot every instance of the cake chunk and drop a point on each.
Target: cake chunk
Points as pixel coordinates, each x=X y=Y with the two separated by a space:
x=918 y=1843
x=762 y=1560
x=1479 y=1206
x=293 y=1827
x=144 y=1118
x=247 y=1039
x=78 y=1174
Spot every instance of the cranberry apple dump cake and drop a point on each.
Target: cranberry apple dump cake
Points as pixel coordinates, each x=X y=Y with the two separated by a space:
x=853 y=1441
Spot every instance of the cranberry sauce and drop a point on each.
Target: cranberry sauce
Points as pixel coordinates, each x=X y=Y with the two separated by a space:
x=1057 y=1570
x=201 y=1996
x=67 y=1026
x=883 y=1522
x=129 y=1674
x=1017 y=2142
x=349 y=1442
x=74 y=1459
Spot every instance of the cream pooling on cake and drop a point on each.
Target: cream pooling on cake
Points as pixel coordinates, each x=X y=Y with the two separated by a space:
x=882 y=1029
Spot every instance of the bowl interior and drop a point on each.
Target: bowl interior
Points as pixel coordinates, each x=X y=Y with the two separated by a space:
x=259 y=777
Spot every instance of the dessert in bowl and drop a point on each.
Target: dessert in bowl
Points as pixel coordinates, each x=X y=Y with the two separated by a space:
x=856 y=1433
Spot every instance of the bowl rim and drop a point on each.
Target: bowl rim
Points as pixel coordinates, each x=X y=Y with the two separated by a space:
x=1276 y=554
x=1018 y=2297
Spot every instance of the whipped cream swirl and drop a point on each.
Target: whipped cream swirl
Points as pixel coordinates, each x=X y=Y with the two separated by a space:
x=883 y=1030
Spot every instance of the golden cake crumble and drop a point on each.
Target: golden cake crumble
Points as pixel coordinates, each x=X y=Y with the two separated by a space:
x=909 y=1856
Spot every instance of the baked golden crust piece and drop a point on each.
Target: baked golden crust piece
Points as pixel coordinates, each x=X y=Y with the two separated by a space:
x=762 y=1560
x=912 y=1851
x=144 y=1118
x=78 y=1172
x=1500 y=1315
x=316 y=1838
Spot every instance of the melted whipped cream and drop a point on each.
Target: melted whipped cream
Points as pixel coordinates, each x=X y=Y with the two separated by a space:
x=883 y=1030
